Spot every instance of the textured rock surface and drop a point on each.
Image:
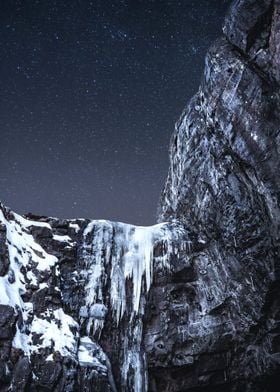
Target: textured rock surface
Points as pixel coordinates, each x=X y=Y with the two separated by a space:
x=223 y=182
x=191 y=304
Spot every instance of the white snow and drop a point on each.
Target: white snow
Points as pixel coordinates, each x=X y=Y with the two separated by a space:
x=56 y=333
x=25 y=223
x=113 y=254
x=75 y=226
x=91 y=354
x=62 y=238
x=25 y=251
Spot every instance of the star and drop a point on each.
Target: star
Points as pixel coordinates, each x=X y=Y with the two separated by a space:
x=89 y=96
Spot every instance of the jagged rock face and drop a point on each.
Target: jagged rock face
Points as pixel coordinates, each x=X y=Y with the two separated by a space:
x=190 y=304
x=223 y=181
x=73 y=300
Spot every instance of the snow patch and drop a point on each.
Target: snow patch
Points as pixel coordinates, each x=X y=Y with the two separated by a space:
x=75 y=226
x=24 y=251
x=91 y=354
x=62 y=238
x=55 y=333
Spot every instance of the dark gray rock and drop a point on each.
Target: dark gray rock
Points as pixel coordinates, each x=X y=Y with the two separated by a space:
x=22 y=375
x=7 y=322
x=4 y=258
x=222 y=180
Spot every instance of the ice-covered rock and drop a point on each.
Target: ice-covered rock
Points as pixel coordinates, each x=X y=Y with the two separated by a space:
x=66 y=299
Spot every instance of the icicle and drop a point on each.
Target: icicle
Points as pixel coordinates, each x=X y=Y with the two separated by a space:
x=127 y=252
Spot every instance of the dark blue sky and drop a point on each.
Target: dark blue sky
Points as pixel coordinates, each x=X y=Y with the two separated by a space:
x=89 y=96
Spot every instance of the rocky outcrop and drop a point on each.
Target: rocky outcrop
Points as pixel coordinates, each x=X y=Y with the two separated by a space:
x=223 y=182
x=74 y=298
x=190 y=304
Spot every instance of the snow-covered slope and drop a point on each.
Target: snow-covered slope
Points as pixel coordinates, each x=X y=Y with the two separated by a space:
x=29 y=268
x=116 y=264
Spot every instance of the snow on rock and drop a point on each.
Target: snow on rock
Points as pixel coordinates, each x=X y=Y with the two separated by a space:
x=116 y=266
x=75 y=226
x=62 y=238
x=91 y=354
x=28 y=263
x=23 y=252
x=56 y=332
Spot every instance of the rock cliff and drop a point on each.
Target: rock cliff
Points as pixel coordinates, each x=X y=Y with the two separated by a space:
x=189 y=304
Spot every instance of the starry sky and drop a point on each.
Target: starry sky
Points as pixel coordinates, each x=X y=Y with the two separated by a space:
x=90 y=92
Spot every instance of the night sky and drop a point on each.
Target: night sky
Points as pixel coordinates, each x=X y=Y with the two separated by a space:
x=90 y=92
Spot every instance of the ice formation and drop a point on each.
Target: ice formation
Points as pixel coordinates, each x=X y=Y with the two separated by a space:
x=116 y=261
x=113 y=254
